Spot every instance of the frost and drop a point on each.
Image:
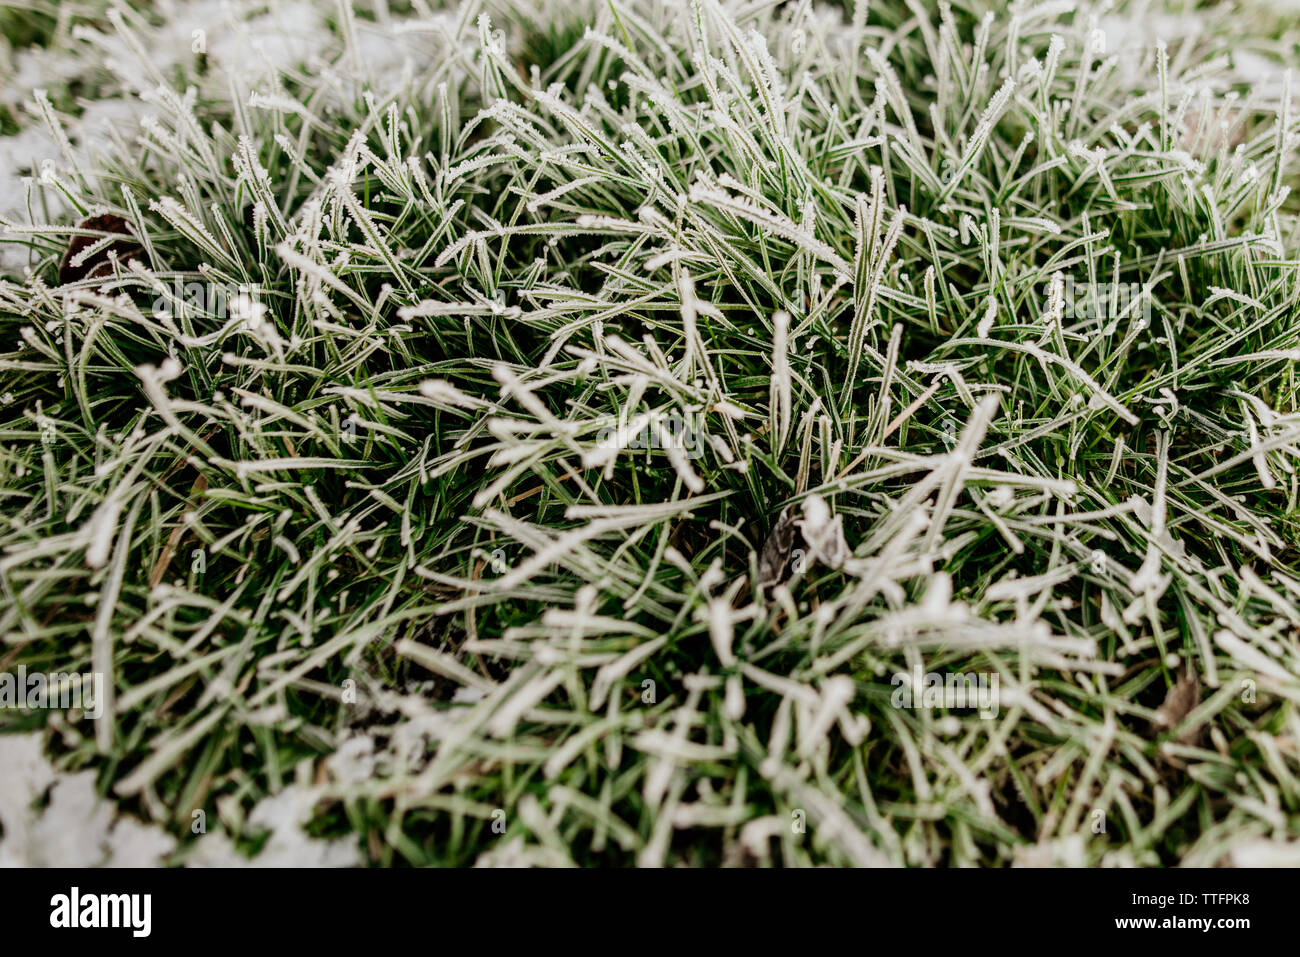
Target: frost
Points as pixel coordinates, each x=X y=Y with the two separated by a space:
x=77 y=828
x=288 y=845
x=823 y=533
x=1261 y=852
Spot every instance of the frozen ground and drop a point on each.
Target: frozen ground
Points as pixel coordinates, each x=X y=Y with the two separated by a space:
x=596 y=416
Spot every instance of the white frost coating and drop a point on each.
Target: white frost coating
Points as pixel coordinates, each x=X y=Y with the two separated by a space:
x=823 y=533
x=763 y=229
x=990 y=316
x=780 y=393
x=77 y=828
x=1261 y=852
x=100 y=529
x=288 y=845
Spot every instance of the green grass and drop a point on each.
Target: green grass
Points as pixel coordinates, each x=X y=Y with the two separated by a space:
x=369 y=531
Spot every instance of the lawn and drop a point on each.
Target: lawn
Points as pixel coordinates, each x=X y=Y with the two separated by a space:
x=650 y=432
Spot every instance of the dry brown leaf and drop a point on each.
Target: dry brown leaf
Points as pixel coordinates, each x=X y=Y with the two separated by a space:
x=775 y=556
x=99 y=263
x=1178 y=704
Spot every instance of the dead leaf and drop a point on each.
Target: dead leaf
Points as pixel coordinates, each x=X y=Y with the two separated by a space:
x=774 y=557
x=1178 y=704
x=98 y=263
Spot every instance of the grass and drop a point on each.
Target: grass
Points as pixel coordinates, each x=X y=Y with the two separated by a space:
x=369 y=530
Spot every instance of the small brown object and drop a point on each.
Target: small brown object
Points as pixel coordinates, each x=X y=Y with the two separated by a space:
x=776 y=551
x=1178 y=704
x=99 y=263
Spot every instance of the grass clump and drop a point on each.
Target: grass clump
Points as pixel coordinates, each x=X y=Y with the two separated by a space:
x=549 y=433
